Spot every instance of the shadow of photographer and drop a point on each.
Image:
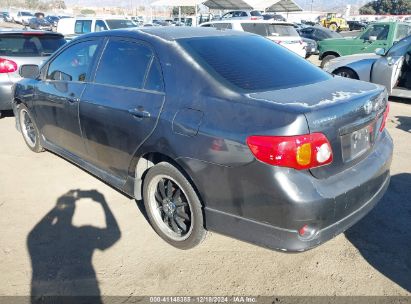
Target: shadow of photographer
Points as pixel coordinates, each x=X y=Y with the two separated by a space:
x=384 y=236
x=61 y=254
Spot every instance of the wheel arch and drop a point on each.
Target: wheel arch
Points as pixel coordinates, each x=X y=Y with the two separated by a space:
x=141 y=165
x=347 y=68
x=335 y=53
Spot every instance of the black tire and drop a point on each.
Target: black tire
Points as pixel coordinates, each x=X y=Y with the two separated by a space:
x=194 y=232
x=326 y=59
x=346 y=72
x=28 y=125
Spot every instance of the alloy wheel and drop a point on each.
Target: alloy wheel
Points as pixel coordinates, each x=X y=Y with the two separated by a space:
x=27 y=127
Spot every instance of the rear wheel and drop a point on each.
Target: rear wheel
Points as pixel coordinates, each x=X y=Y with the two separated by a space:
x=346 y=72
x=173 y=207
x=333 y=27
x=326 y=59
x=29 y=129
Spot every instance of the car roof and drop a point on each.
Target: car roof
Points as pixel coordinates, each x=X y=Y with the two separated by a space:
x=27 y=32
x=169 y=33
x=99 y=18
x=249 y=21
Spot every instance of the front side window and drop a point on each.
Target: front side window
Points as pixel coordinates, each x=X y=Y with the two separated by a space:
x=124 y=63
x=100 y=26
x=73 y=63
x=82 y=26
x=380 y=31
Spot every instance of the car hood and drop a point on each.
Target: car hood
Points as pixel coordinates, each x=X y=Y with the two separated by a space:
x=311 y=97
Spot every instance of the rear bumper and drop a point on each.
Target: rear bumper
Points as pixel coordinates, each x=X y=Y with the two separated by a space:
x=267 y=205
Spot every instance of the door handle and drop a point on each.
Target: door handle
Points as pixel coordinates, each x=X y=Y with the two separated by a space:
x=139 y=112
x=72 y=98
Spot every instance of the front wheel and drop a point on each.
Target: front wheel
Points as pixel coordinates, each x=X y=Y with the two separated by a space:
x=333 y=27
x=29 y=129
x=173 y=206
x=345 y=72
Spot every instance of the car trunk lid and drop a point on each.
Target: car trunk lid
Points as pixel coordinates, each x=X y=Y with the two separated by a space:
x=348 y=112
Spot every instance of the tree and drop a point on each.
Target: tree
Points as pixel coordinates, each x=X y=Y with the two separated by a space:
x=87 y=11
x=32 y=4
x=395 y=7
x=185 y=10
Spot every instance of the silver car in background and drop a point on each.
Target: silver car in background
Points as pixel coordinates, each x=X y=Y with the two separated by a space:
x=390 y=68
x=19 y=48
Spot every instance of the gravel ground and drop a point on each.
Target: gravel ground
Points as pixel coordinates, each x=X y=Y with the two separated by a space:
x=52 y=244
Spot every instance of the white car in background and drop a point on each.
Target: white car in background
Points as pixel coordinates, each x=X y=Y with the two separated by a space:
x=280 y=32
x=83 y=25
x=21 y=17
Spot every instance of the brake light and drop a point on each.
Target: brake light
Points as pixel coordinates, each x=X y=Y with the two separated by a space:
x=385 y=117
x=278 y=41
x=299 y=152
x=254 y=18
x=7 y=66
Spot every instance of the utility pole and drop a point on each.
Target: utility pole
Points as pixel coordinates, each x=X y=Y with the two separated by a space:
x=312 y=2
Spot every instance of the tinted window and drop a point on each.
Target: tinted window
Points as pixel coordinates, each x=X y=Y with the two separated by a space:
x=235 y=60
x=100 y=26
x=403 y=31
x=222 y=26
x=400 y=48
x=378 y=30
x=29 y=45
x=120 y=23
x=154 y=80
x=124 y=64
x=82 y=26
x=267 y=29
x=74 y=63
x=255 y=13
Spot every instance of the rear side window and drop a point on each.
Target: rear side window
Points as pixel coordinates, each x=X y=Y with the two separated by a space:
x=119 y=23
x=100 y=26
x=26 y=45
x=124 y=63
x=154 y=80
x=73 y=63
x=255 y=13
x=234 y=59
x=267 y=29
x=223 y=26
x=82 y=26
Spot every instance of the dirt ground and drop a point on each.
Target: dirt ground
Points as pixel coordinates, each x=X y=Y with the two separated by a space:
x=100 y=243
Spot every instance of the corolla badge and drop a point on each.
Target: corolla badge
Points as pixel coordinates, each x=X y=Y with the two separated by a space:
x=368 y=107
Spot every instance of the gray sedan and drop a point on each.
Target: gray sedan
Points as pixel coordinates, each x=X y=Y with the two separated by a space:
x=19 y=48
x=391 y=69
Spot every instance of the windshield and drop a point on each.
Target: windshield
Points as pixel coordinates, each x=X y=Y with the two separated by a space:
x=120 y=23
x=400 y=48
x=26 y=14
x=233 y=60
x=378 y=30
x=26 y=45
x=267 y=29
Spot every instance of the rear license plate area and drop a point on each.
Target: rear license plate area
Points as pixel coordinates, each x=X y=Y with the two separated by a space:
x=358 y=142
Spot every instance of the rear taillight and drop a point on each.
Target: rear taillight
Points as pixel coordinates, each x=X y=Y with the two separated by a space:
x=299 y=152
x=385 y=117
x=254 y=18
x=7 y=66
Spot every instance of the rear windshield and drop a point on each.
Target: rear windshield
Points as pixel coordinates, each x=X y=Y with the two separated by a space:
x=117 y=24
x=255 y=13
x=26 y=45
x=333 y=34
x=26 y=14
x=267 y=29
x=235 y=60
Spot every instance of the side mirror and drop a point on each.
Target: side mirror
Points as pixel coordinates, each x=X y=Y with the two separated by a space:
x=380 y=52
x=372 y=38
x=29 y=71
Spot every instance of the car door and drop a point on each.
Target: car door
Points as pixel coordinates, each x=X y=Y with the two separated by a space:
x=58 y=94
x=376 y=36
x=119 y=110
x=387 y=69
